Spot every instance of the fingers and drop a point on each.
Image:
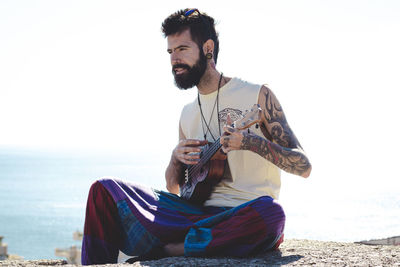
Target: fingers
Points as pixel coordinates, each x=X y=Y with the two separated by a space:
x=225 y=141
x=231 y=140
x=189 y=159
x=230 y=130
x=228 y=119
x=188 y=155
x=226 y=144
x=188 y=151
x=192 y=142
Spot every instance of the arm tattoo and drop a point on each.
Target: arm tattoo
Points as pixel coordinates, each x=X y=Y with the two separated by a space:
x=292 y=161
x=280 y=146
x=279 y=130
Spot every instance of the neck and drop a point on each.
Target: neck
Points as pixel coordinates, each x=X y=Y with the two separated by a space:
x=209 y=81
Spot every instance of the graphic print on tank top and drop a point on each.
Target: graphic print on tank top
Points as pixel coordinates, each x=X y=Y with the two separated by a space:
x=234 y=113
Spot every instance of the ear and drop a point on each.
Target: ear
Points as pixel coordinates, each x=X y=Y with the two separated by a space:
x=208 y=47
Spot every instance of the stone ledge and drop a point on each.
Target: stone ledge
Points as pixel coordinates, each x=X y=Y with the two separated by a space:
x=291 y=253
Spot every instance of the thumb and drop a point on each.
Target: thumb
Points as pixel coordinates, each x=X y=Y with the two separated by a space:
x=228 y=119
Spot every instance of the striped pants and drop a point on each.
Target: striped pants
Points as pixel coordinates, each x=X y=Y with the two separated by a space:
x=134 y=219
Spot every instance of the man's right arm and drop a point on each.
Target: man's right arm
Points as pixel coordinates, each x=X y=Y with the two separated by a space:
x=186 y=152
x=173 y=175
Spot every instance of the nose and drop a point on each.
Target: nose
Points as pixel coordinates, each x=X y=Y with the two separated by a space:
x=174 y=58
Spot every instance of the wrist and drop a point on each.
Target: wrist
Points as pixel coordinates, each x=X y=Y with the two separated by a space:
x=250 y=141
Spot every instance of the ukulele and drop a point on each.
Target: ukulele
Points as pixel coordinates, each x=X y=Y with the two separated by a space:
x=199 y=179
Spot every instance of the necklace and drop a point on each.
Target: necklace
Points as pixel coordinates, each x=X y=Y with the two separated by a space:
x=216 y=103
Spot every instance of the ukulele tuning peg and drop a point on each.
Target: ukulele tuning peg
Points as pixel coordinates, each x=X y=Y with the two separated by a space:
x=257 y=126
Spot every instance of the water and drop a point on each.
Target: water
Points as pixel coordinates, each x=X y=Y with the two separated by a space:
x=350 y=208
x=43 y=194
x=43 y=198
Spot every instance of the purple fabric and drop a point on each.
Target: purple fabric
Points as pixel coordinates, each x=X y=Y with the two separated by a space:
x=134 y=219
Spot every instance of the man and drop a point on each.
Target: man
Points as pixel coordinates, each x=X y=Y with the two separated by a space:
x=240 y=217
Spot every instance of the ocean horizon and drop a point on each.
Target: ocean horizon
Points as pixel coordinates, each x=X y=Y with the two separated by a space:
x=43 y=199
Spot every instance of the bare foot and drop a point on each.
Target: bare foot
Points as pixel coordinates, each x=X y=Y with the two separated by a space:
x=175 y=249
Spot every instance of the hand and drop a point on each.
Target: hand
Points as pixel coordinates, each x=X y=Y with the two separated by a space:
x=188 y=151
x=232 y=138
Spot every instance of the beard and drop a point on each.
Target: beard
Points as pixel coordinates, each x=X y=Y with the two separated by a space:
x=192 y=75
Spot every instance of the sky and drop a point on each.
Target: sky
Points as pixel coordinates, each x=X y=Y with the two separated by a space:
x=95 y=75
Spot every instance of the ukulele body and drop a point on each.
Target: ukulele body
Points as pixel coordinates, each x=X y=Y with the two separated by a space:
x=197 y=186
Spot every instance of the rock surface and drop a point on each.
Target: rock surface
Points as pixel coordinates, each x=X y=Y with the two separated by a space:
x=291 y=253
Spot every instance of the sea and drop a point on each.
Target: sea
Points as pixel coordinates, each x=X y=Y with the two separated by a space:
x=43 y=196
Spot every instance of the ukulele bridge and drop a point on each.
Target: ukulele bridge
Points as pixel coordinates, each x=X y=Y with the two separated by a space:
x=186 y=175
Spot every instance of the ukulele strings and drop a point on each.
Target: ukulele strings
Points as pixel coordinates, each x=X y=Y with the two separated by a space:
x=209 y=152
x=213 y=148
x=205 y=157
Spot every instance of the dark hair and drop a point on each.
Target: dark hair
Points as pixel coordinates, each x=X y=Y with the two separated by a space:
x=202 y=27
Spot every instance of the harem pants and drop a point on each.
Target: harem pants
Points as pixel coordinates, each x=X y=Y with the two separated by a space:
x=134 y=219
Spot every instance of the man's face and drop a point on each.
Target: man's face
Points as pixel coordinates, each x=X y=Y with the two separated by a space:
x=187 y=60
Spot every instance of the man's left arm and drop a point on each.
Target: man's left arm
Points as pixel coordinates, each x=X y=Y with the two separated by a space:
x=280 y=146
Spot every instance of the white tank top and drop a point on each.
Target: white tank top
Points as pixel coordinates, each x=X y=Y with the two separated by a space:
x=249 y=175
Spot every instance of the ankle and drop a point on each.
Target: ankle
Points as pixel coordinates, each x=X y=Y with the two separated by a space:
x=175 y=249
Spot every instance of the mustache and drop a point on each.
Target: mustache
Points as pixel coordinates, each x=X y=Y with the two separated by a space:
x=182 y=66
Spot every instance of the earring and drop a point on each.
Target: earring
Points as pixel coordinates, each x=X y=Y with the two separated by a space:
x=209 y=55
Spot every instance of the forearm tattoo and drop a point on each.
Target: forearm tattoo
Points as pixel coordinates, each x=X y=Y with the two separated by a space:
x=281 y=146
x=292 y=161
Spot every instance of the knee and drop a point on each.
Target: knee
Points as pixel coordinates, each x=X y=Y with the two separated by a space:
x=98 y=184
x=271 y=211
x=97 y=188
x=279 y=212
x=99 y=196
x=105 y=180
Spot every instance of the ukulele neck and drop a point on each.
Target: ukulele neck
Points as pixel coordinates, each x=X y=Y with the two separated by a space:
x=208 y=153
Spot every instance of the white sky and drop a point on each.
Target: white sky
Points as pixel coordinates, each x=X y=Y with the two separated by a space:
x=96 y=75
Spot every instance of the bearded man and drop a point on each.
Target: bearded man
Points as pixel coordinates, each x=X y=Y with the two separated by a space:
x=239 y=216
